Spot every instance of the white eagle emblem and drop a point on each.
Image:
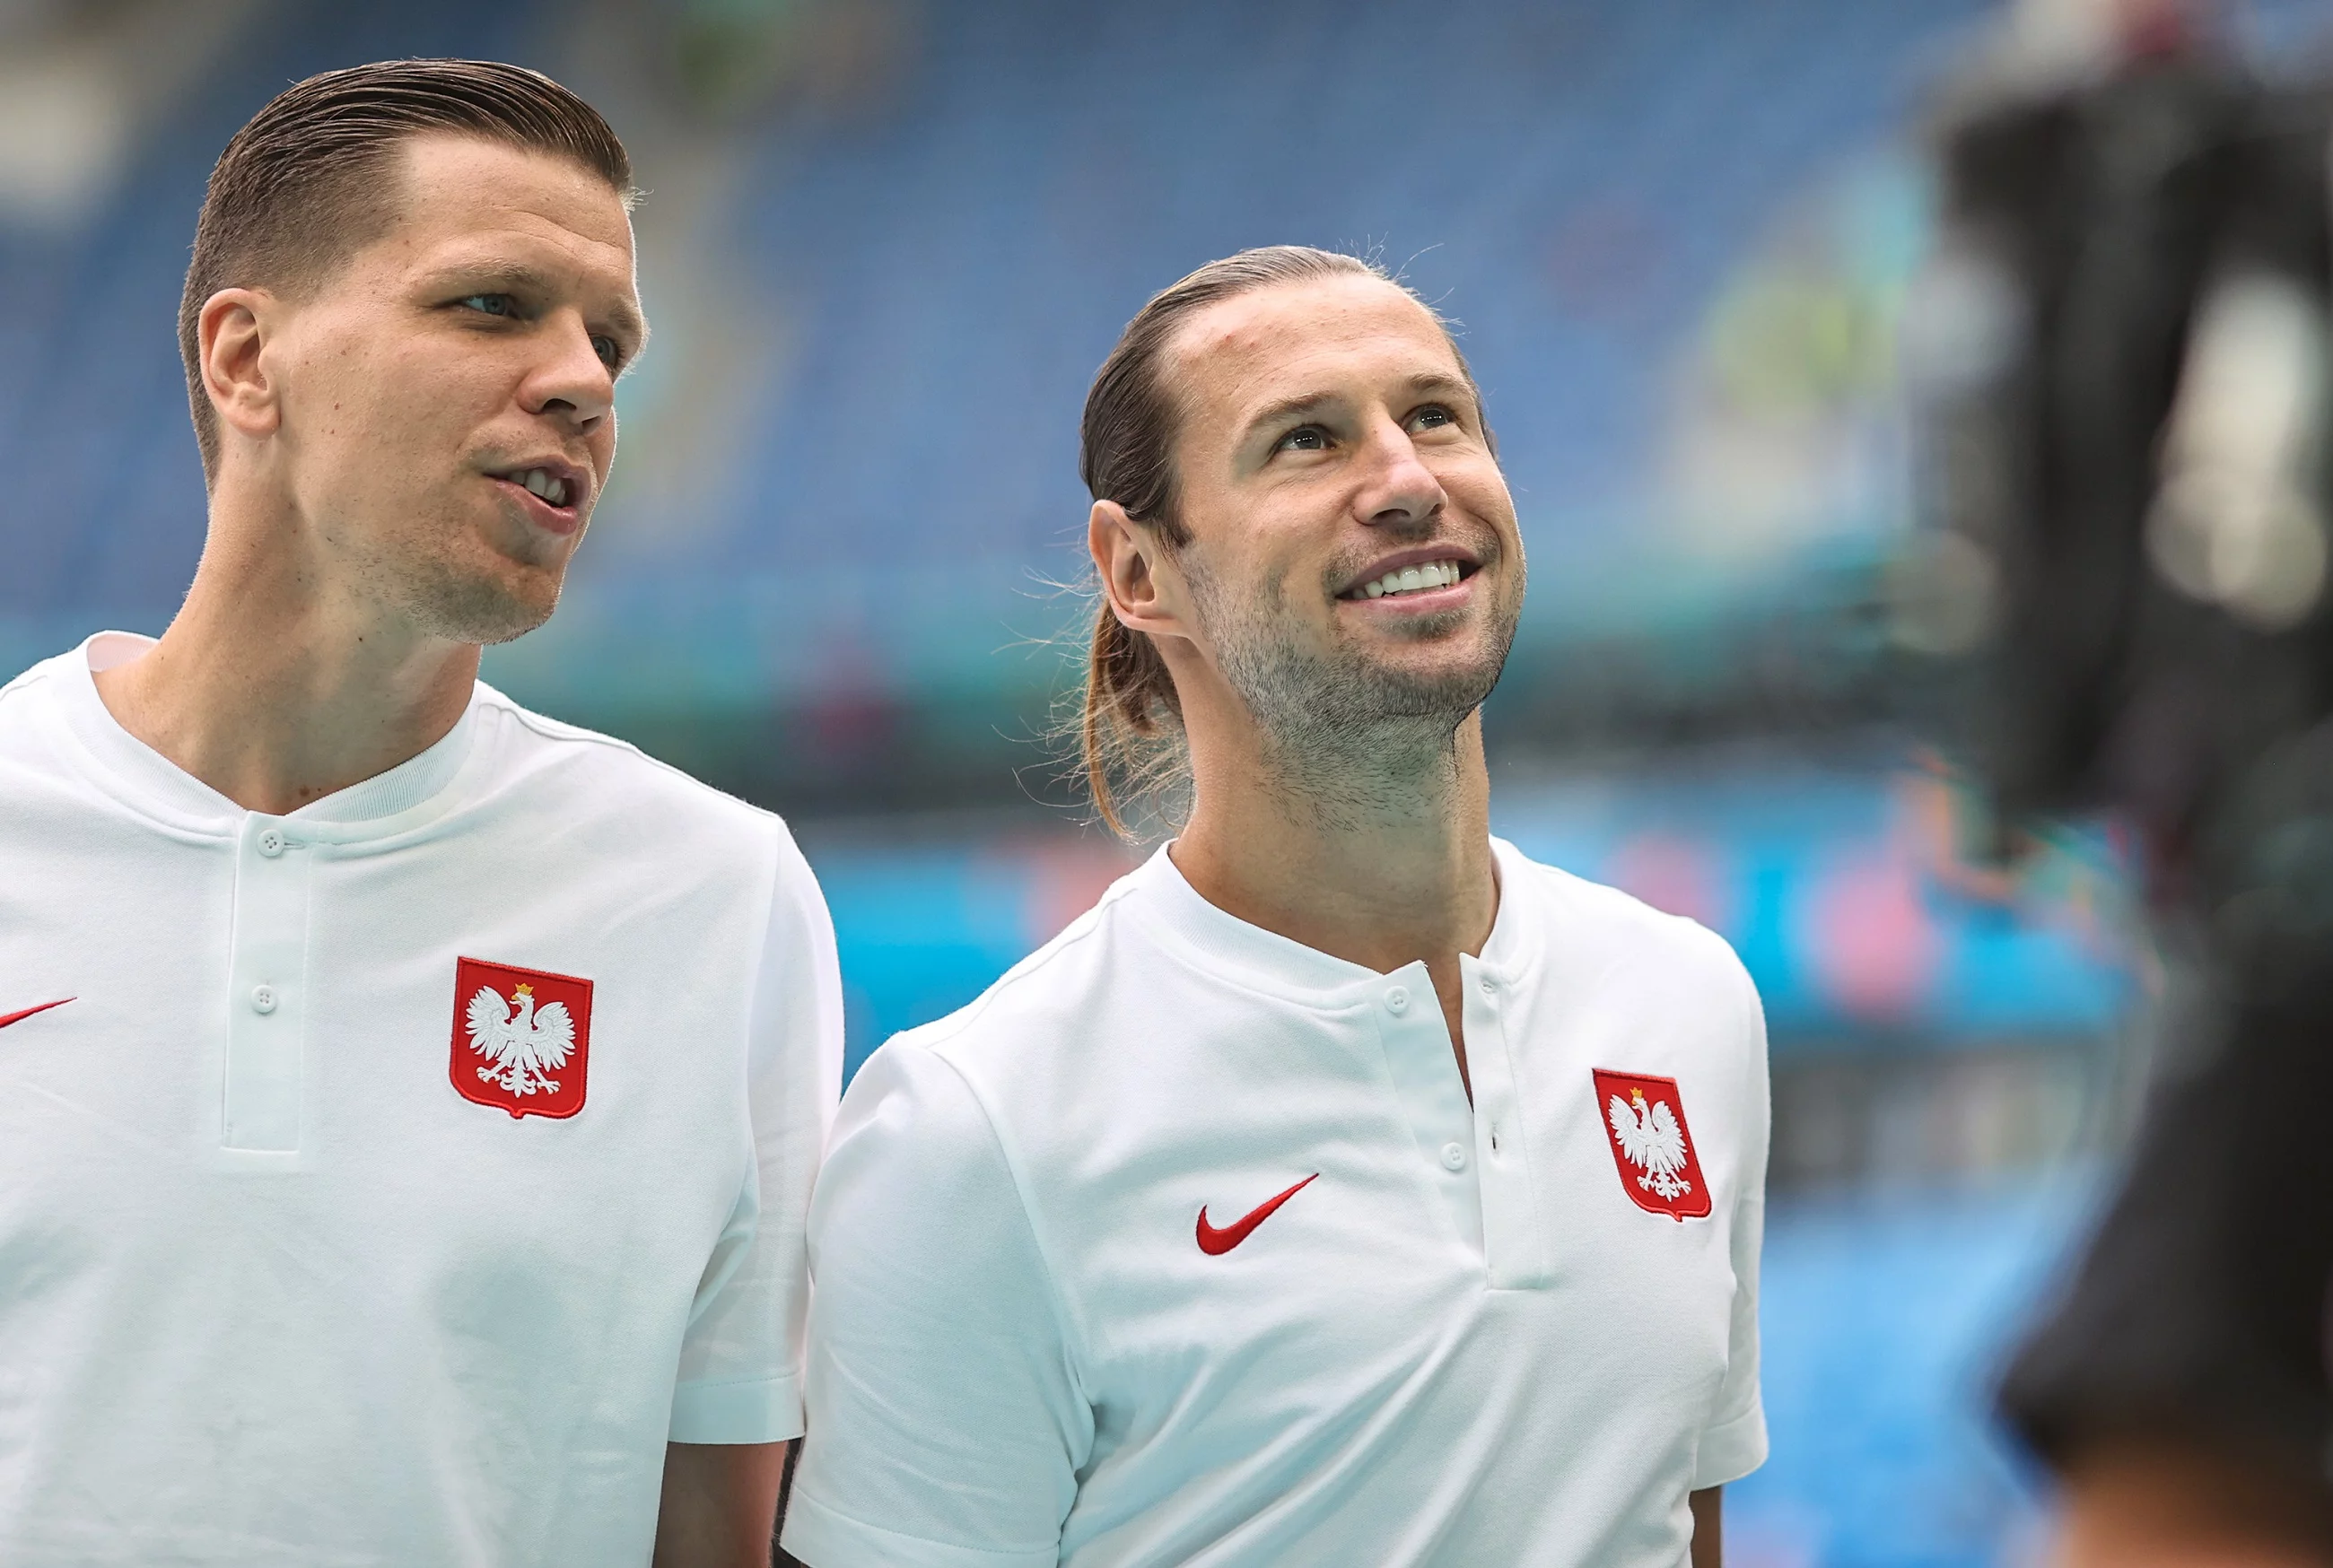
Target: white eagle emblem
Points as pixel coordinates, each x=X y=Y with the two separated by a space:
x=522 y=1046
x=1649 y=1136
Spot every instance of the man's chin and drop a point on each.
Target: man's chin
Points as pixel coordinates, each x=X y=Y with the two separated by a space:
x=1464 y=657
x=487 y=609
x=513 y=628
x=513 y=615
x=1439 y=689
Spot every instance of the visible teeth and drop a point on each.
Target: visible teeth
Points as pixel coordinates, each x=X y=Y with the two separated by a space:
x=1433 y=574
x=543 y=484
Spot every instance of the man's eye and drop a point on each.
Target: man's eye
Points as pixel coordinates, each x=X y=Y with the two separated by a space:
x=1434 y=415
x=611 y=354
x=1305 y=439
x=490 y=304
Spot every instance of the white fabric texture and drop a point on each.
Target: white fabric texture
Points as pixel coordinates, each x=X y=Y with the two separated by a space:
x=272 y=1290
x=1460 y=1343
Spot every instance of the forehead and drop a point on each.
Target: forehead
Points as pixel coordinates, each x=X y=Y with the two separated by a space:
x=1320 y=336
x=467 y=197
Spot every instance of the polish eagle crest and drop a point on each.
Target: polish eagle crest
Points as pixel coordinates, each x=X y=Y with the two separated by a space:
x=1648 y=1134
x=522 y=1046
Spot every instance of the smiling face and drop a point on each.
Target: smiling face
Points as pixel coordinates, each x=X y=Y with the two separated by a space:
x=443 y=406
x=1353 y=557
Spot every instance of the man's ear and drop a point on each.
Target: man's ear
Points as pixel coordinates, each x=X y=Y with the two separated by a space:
x=1140 y=580
x=230 y=338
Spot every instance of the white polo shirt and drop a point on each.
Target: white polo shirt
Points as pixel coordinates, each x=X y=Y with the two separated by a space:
x=387 y=1182
x=1183 y=1245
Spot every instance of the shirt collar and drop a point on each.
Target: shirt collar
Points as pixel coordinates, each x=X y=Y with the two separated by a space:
x=150 y=781
x=1222 y=941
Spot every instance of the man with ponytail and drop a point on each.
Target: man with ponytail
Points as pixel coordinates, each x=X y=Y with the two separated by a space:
x=1344 y=1188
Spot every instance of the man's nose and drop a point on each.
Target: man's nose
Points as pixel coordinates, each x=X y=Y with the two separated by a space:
x=572 y=383
x=1400 y=491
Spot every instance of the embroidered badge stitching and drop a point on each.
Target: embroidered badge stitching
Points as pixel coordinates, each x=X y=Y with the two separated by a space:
x=1643 y=1116
x=522 y=1039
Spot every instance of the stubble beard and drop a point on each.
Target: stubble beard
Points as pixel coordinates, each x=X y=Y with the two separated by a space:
x=457 y=587
x=468 y=608
x=1351 y=740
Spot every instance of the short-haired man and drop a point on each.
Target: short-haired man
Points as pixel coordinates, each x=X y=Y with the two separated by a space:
x=1344 y=1188
x=408 y=1104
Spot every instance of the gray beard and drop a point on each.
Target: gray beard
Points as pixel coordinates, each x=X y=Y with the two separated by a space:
x=1351 y=742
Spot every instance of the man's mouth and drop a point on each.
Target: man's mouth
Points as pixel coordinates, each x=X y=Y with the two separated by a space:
x=1416 y=578
x=553 y=489
x=554 y=492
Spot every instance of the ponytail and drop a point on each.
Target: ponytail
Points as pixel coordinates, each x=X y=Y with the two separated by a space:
x=1130 y=731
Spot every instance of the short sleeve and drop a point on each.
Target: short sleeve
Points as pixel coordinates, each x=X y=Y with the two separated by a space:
x=946 y=1424
x=1734 y=1442
x=740 y=1361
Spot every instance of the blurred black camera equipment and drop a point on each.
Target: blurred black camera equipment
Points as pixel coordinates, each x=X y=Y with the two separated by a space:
x=2123 y=361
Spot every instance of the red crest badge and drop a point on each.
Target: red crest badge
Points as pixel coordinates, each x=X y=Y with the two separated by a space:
x=521 y=1037
x=1644 y=1120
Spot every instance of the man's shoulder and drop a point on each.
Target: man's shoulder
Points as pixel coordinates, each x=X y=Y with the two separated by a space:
x=1049 y=1001
x=964 y=1099
x=535 y=742
x=22 y=690
x=1584 y=916
x=1674 y=990
x=598 y=777
x=32 y=706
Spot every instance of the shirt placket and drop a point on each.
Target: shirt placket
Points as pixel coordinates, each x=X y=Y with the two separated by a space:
x=1433 y=1097
x=1515 y=1240
x=267 y=992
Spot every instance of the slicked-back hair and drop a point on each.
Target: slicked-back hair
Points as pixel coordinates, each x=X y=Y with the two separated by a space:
x=309 y=181
x=1130 y=724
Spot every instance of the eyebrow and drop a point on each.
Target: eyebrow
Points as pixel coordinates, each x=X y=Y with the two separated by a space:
x=1426 y=382
x=1442 y=382
x=517 y=276
x=1288 y=408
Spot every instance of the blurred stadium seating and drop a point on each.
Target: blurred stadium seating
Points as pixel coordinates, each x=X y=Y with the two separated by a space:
x=885 y=244
x=850 y=459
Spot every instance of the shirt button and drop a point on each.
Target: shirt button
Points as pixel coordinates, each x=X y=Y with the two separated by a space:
x=1398 y=999
x=271 y=843
x=1454 y=1157
x=264 y=999
x=1490 y=987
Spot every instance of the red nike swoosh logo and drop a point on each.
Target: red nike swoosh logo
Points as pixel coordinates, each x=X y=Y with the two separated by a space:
x=5 y=1019
x=1214 y=1243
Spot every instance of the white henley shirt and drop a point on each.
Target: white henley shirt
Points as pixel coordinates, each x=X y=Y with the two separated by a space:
x=387 y=1182
x=1185 y=1245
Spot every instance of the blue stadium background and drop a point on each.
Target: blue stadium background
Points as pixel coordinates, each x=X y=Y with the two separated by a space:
x=885 y=245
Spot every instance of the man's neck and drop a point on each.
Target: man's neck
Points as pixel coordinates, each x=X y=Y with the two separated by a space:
x=277 y=685
x=1381 y=866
